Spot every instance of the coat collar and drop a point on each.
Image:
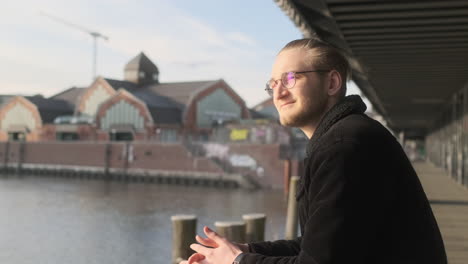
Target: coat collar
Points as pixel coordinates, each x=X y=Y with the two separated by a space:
x=351 y=104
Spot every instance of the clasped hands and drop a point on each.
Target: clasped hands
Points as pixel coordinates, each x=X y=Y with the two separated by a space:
x=214 y=249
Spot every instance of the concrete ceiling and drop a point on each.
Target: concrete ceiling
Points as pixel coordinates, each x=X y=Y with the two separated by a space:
x=408 y=57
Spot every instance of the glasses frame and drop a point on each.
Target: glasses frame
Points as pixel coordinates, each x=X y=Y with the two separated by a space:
x=270 y=90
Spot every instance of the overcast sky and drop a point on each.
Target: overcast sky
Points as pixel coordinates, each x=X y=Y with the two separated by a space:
x=187 y=39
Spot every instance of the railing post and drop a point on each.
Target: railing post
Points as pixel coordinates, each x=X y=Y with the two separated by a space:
x=6 y=157
x=233 y=231
x=20 y=157
x=183 y=234
x=107 y=158
x=291 y=220
x=255 y=227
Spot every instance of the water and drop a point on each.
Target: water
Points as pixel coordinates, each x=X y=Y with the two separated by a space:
x=55 y=220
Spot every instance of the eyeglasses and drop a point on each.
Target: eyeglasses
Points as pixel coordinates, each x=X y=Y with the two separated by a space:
x=288 y=80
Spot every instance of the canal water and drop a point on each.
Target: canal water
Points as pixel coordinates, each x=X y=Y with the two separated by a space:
x=57 y=220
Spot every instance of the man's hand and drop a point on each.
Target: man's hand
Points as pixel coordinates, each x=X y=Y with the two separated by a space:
x=208 y=242
x=222 y=251
x=195 y=258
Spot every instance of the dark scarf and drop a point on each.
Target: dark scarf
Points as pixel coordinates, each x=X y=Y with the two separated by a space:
x=351 y=104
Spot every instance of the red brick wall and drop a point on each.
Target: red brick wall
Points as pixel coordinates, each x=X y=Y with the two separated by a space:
x=13 y=152
x=85 y=132
x=148 y=155
x=102 y=136
x=64 y=153
x=145 y=155
x=267 y=156
x=169 y=157
x=48 y=132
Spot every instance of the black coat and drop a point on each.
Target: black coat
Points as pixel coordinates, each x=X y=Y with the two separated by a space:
x=360 y=200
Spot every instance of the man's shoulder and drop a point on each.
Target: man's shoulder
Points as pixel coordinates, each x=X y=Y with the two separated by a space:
x=358 y=128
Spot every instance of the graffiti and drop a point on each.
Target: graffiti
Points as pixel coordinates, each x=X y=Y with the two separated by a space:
x=215 y=150
x=260 y=172
x=239 y=134
x=238 y=160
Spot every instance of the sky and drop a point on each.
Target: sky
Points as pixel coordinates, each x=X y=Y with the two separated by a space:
x=188 y=40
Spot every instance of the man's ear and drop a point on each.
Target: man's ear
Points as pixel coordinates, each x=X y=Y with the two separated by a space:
x=335 y=84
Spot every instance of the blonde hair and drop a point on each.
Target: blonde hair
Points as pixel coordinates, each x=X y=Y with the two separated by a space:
x=328 y=57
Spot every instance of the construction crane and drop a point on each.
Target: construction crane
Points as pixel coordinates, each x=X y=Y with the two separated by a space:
x=93 y=34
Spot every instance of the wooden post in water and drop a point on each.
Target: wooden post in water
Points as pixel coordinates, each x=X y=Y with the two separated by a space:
x=183 y=234
x=233 y=231
x=291 y=220
x=20 y=157
x=6 y=157
x=107 y=160
x=286 y=176
x=255 y=227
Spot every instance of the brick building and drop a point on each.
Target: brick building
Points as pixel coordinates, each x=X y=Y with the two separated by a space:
x=30 y=118
x=139 y=107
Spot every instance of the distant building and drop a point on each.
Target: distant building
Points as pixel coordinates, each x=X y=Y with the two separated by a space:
x=267 y=109
x=26 y=117
x=139 y=107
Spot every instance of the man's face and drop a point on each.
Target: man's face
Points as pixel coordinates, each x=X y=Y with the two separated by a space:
x=305 y=103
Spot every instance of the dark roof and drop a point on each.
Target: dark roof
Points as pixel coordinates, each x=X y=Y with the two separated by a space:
x=49 y=109
x=166 y=115
x=180 y=92
x=159 y=94
x=165 y=101
x=117 y=84
x=70 y=95
x=141 y=62
x=162 y=109
x=150 y=97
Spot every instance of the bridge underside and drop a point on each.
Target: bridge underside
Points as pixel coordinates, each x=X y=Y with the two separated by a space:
x=408 y=57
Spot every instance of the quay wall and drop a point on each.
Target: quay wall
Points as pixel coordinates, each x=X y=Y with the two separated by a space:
x=110 y=155
x=142 y=158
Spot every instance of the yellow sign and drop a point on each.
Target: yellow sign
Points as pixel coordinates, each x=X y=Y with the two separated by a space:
x=239 y=134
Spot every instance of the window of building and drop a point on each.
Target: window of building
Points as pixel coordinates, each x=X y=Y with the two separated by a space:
x=17 y=136
x=168 y=135
x=67 y=136
x=121 y=136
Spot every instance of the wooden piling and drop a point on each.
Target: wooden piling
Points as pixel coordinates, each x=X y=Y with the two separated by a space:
x=183 y=234
x=232 y=230
x=291 y=220
x=287 y=176
x=6 y=157
x=254 y=227
x=107 y=160
x=21 y=153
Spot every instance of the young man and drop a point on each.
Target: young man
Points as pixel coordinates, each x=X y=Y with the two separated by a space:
x=360 y=200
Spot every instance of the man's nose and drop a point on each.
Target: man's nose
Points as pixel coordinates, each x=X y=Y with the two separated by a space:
x=280 y=91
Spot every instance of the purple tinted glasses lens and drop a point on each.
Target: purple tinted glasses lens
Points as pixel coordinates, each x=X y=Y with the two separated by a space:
x=289 y=79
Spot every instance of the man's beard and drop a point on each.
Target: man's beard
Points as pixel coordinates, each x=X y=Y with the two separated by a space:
x=310 y=114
